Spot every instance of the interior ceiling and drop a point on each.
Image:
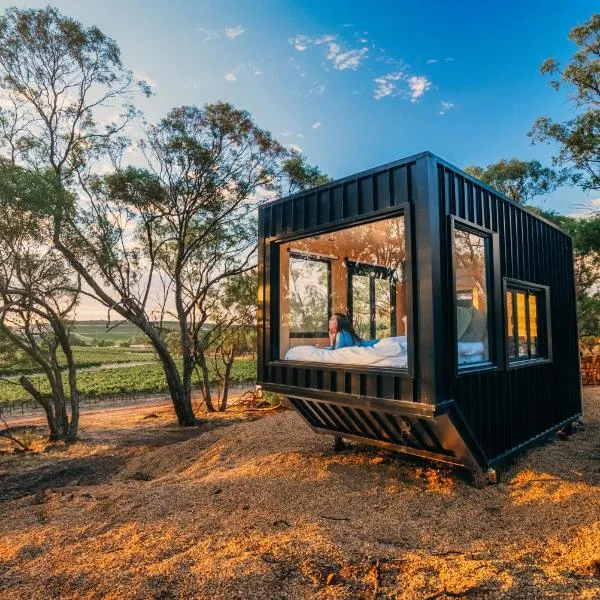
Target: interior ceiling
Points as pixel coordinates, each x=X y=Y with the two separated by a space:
x=382 y=238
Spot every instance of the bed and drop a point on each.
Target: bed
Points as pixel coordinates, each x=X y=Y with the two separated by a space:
x=388 y=352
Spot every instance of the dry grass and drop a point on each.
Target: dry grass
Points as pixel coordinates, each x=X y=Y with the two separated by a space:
x=264 y=509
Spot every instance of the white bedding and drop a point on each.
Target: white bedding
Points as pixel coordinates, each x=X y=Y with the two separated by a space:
x=388 y=352
x=471 y=352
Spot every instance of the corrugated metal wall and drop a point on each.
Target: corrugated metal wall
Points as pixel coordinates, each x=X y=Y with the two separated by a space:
x=504 y=408
x=508 y=407
x=345 y=201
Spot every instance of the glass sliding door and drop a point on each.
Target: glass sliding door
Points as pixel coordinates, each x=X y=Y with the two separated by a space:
x=372 y=294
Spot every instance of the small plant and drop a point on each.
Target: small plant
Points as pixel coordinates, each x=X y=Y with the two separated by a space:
x=272 y=398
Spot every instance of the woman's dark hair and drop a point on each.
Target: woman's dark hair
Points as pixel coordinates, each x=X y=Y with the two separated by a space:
x=345 y=324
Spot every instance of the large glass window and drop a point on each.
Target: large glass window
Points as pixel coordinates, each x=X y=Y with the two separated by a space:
x=471 y=263
x=525 y=312
x=309 y=294
x=358 y=273
x=372 y=300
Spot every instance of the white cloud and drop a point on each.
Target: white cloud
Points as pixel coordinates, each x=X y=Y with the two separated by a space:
x=432 y=61
x=345 y=59
x=318 y=88
x=316 y=125
x=341 y=57
x=5 y=100
x=595 y=202
x=213 y=34
x=230 y=77
x=300 y=42
x=286 y=133
x=445 y=107
x=300 y=135
x=209 y=34
x=151 y=83
x=233 y=32
x=295 y=148
x=258 y=72
x=418 y=85
x=387 y=85
x=396 y=84
x=449 y=59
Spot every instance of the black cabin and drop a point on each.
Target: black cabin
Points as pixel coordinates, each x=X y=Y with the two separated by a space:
x=470 y=295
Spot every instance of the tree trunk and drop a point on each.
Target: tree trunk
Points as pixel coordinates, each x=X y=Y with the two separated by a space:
x=206 y=391
x=58 y=392
x=181 y=398
x=182 y=403
x=224 y=397
x=45 y=404
x=74 y=424
x=60 y=409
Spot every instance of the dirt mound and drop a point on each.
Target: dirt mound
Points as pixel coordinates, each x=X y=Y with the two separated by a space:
x=265 y=509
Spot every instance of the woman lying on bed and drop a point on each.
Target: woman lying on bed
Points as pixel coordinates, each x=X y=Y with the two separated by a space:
x=342 y=334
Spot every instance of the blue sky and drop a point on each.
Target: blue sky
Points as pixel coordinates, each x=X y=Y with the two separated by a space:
x=356 y=84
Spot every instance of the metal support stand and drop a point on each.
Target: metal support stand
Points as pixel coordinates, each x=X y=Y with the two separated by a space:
x=481 y=479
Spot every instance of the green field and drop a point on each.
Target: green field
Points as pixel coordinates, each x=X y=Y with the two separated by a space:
x=94 y=331
x=89 y=357
x=97 y=376
x=121 y=381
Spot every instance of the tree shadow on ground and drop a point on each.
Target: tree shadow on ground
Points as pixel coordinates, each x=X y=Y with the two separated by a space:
x=93 y=470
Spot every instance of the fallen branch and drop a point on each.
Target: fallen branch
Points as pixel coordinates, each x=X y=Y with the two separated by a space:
x=463 y=594
x=334 y=518
x=6 y=433
x=255 y=410
x=376 y=580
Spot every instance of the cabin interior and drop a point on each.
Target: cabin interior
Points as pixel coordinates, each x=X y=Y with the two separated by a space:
x=358 y=271
x=361 y=271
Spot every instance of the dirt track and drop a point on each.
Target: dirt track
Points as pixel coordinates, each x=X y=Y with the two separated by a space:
x=246 y=508
x=39 y=419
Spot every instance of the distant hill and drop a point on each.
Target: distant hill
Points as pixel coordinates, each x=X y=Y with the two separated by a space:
x=92 y=332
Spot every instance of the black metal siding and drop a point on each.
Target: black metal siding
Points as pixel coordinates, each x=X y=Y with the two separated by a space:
x=489 y=413
x=365 y=196
x=507 y=407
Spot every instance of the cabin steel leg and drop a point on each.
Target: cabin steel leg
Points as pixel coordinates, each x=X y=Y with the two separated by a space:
x=568 y=430
x=338 y=443
x=482 y=478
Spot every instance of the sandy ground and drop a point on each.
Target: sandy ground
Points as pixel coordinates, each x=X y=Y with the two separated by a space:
x=252 y=506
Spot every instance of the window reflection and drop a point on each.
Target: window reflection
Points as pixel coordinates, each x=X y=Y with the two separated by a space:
x=512 y=349
x=524 y=309
x=521 y=325
x=471 y=277
x=358 y=272
x=308 y=297
x=533 y=334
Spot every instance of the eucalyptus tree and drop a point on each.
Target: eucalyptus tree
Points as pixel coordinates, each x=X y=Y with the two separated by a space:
x=578 y=139
x=38 y=293
x=150 y=243
x=301 y=174
x=520 y=180
x=65 y=98
x=65 y=93
x=158 y=243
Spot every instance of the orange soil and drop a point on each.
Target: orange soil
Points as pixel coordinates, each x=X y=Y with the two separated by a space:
x=248 y=507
